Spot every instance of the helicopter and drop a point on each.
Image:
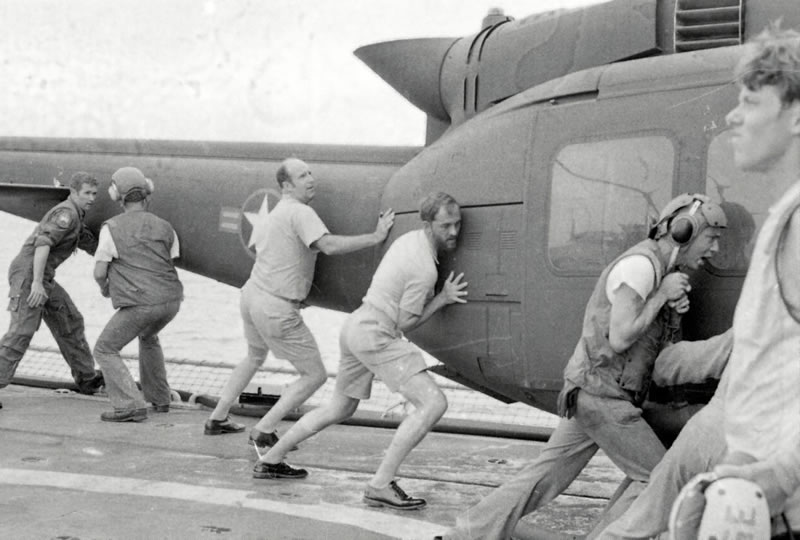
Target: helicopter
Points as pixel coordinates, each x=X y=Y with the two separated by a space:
x=560 y=134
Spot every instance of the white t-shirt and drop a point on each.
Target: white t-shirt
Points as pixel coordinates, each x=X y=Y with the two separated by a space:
x=284 y=257
x=636 y=271
x=107 y=249
x=405 y=278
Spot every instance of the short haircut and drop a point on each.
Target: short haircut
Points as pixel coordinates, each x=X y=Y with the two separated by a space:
x=135 y=195
x=772 y=59
x=430 y=205
x=80 y=178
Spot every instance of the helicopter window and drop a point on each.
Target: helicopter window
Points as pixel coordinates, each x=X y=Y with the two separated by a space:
x=744 y=201
x=602 y=197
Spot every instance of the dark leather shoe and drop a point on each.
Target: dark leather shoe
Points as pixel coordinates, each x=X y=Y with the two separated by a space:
x=93 y=385
x=161 y=408
x=218 y=427
x=281 y=470
x=124 y=415
x=392 y=496
x=265 y=440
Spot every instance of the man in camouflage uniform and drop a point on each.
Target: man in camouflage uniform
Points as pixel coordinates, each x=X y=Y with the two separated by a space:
x=34 y=294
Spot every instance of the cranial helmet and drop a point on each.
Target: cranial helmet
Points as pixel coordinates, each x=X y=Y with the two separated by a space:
x=685 y=216
x=709 y=508
x=129 y=180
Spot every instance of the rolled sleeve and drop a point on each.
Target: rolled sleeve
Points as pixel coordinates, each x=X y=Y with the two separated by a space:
x=106 y=249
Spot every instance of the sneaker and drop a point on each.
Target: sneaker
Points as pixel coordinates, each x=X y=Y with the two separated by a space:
x=392 y=496
x=218 y=427
x=281 y=470
x=265 y=440
x=124 y=415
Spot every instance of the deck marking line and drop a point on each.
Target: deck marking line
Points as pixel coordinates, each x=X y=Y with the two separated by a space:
x=387 y=524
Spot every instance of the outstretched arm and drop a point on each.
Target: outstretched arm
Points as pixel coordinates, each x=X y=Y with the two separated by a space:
x=334 y=244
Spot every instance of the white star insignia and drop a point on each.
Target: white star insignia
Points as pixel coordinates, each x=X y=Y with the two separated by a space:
x=257 y=221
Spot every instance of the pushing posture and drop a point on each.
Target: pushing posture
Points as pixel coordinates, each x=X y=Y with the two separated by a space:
x=287 y=243
x=751 y=428
x=134 y=266
x=399 y=299
x=34 y=294
x=630 y=317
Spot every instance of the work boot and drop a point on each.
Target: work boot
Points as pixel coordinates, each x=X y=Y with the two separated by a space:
x=161 y=408
x=281 y=470
x=124 y=415
x=392 y=496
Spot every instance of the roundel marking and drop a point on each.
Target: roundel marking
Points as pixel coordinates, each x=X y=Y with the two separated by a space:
x=255 y=210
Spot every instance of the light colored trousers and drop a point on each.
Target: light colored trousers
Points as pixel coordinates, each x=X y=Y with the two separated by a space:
x=614 y=425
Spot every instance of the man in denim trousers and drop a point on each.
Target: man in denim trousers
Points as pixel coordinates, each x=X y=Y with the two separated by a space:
x=134 y=267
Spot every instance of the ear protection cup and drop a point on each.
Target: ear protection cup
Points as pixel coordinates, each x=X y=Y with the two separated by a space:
x=684 y=227
x=132 y=181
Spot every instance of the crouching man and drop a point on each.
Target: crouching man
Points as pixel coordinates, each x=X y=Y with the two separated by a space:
x=134 y=267
x=399 y=299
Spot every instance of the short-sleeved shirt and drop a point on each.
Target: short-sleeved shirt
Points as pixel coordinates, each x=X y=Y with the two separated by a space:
x=284 y=257
x=107 y=250
x=405 y=278
x=636 y=272
x=761 y=398
x=61 y=230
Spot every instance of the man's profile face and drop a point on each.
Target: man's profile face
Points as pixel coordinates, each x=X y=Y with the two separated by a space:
x=302 y=187
x=761 y=128
x=445 y=227
x=85 y=197
x=702 y=248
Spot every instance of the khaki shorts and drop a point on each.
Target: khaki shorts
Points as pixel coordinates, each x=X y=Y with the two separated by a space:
x=274 y=324
x=370 y=345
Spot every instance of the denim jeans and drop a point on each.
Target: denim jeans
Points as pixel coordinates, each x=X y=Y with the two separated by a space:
x=128 y=323
x=614 y=425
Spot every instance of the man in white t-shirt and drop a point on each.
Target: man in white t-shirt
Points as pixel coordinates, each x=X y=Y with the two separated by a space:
x=399 y=299
x=631 y=316
x=287 y=243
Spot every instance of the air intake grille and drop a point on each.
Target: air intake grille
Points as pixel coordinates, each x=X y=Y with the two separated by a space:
x=706 y=24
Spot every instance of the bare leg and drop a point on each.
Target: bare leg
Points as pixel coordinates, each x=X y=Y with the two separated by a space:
x=293 y=396
x=429 y=404
x=339 y=408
